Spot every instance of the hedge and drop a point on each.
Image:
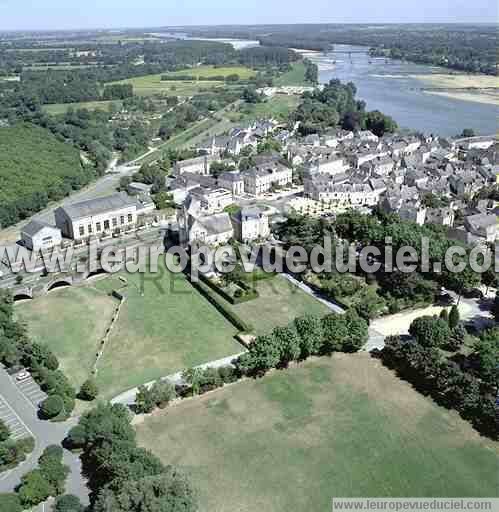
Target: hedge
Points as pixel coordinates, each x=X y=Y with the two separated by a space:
x=232 y=317
x=250 y=294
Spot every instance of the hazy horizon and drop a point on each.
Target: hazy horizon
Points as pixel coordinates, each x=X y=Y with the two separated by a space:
x=114 y=14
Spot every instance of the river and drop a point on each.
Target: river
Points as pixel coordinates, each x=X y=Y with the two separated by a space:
x=389 y=86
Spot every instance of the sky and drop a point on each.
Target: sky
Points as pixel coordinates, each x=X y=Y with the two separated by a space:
x=63 y=14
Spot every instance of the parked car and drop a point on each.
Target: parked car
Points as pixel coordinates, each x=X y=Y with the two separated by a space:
x=24 y=375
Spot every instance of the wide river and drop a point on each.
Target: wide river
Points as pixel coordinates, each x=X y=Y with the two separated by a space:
x=389 y=86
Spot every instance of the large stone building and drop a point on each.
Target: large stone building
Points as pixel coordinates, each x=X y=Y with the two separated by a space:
x=98 y=217
x=250 y=224
x=260 y=179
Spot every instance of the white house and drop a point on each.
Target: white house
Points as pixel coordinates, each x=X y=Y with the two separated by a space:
x=38 y=236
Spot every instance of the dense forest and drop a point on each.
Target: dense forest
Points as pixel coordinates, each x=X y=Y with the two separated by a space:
x=35 y=168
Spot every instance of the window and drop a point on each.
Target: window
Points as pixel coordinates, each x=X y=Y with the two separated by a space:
x=122 y=219
x=106 y=224
x=90 y=229
x=115 y=222
x=82 y=230
x=47 y=239
x=130 y=217
x=98 y=227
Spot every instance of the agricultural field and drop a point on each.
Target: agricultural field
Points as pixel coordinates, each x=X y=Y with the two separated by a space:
x=210 y=71
x=279 y=303
x=152 y=84
x=71 y=321
x=340 y=426
x=62 y=108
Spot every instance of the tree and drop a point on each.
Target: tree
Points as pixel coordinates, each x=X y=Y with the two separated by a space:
x=89 y=390
x=193 y=377
x=335 y=331
x=163 y=392
x=444 y=315
x=68 y=503
x=34 y=489
x=168 y=492
x=495 y=308
x=145 y=401
x=76 y=437
x=379 y=123
x=430 y=331
x=289 y=342
x=309 y=328
x=454 y=317
x=490 y=278
x=487 y=351
x=4 y=431
x=10 y=503
x=468 y=132
x=52 y=468
x=52 y=406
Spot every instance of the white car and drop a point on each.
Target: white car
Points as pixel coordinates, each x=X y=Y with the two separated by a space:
x=22 y=376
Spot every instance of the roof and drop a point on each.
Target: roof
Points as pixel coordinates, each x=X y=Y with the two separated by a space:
x=99 y=205
x=216 y=224
x=33 y=227
x=482 y=220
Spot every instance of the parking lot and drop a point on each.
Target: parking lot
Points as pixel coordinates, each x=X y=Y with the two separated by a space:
x=17 y=427
x=31 y=390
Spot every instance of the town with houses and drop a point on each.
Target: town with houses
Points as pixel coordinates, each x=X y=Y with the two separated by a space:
x=316 y=175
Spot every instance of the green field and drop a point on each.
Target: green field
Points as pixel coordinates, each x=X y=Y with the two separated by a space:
x=278 y=107
x=211 y=71
x=279 y=303
x=344 y=426
x=164 y=326
x=152 y=84
x=296 y=76
x=71 y=321
x=62 y=108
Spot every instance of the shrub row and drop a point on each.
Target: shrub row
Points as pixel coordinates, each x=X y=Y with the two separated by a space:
x=249 y=293
x=232 y=317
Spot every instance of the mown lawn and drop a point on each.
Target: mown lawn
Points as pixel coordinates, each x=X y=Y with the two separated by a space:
x=344 y=426
x=72 y=322
x=279 y=303
x=278 y=107
x=165 y=326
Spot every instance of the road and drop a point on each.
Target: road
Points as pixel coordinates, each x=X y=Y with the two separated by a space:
x=45 y=433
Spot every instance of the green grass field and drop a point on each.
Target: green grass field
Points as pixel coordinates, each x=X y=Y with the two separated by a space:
x=62 y=108
x=211 y=71
x=278 y=107
x=152 y=84
x=279 y=303
x=165 y=326
x=71 y=321
x=296 y=76
x=344 y=426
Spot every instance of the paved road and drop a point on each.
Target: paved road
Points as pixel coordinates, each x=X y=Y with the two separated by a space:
x=45 y=434
x=128 y=397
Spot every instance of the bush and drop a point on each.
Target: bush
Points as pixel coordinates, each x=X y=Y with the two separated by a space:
x=68 y=503
x=228 y=374
x=76 y=438
x=26 y=445
x=89 y=390
x=34 y=489
x=430 y=331
x=4 y=432
x=52 y=406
